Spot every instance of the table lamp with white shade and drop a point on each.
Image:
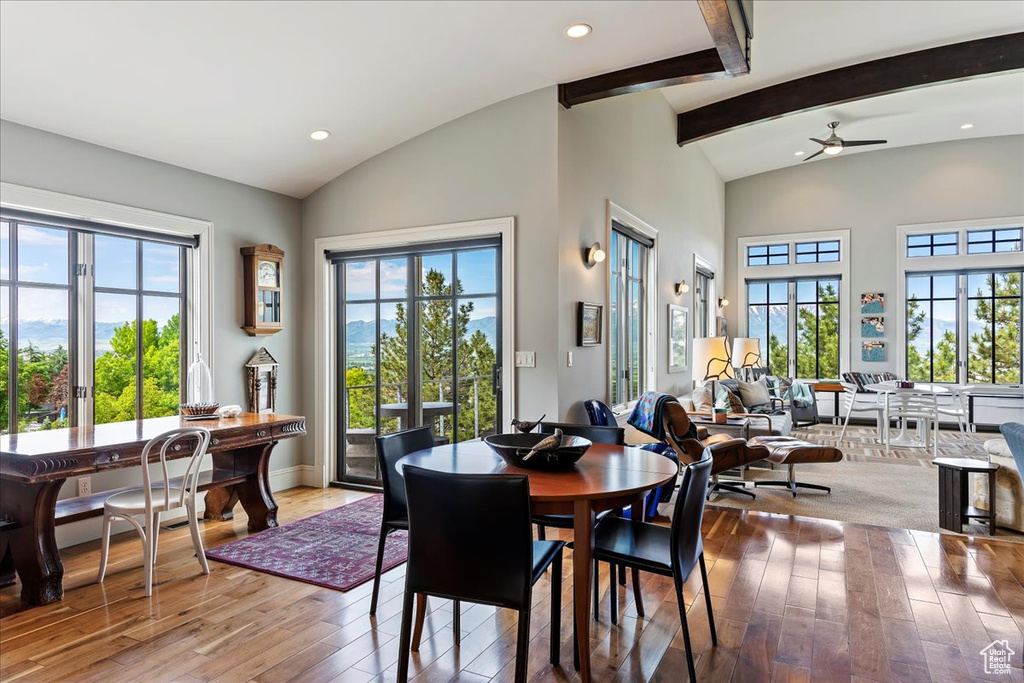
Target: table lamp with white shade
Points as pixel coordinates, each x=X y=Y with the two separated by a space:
x=711 y=361
x=746 y=354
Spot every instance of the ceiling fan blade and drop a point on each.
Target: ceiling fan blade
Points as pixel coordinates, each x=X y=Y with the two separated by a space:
x=820 y=142
x=820 y=151
x=861 y=143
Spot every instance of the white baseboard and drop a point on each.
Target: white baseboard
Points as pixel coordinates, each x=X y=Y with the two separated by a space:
x=90 y=529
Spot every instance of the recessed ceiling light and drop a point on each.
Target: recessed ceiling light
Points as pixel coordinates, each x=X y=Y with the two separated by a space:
x=967 y=126
x=798 y=153
x=578 y=30
x=320 y=134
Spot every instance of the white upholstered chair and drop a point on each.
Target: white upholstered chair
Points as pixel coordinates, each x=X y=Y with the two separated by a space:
x=155 y=498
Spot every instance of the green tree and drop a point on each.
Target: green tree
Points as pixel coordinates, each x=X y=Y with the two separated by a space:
x=475 y=356
x=360 y=386
x=817 y=336
x=778 y=356
x=997 y=358
x=115 y=391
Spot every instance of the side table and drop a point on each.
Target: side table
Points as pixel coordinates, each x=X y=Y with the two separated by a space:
x=738 y=427
x=834 y=388
x=954 y=499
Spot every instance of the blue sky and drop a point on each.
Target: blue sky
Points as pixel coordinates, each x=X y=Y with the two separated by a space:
x=477 y=273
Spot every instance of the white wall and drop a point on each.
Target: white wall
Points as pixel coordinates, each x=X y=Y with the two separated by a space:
x=622 y=150
x=497 y=161
x=871 y=194
x=241 y=215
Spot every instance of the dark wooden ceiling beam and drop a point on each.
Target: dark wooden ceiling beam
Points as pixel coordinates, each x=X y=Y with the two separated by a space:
x=729 y=25
x=960 y=61
x=696 y=66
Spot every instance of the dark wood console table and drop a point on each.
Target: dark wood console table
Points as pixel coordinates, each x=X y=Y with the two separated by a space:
x=34 y=466
x=955 y=497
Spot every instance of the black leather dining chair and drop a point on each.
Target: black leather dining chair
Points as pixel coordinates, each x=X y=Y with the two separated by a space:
x=669 y=551
x=470 y=539
x=610 y=435
x=390 y=449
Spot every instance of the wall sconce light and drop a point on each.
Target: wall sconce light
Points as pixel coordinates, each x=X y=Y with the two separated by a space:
x=593 y=255
x=723 y=302
x=682 y=288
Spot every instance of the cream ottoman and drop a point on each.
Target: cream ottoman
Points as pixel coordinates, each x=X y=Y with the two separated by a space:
x=1009 y=488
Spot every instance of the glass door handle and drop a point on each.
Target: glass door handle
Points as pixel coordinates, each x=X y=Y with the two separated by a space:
x=496 y=378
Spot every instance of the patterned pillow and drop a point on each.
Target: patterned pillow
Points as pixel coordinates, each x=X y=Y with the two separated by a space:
x=701 y=398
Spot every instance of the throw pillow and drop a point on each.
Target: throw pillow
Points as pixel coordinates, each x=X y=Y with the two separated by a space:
x=728 y=400
x=783 y=387
x=701 y=398
x=754 y=393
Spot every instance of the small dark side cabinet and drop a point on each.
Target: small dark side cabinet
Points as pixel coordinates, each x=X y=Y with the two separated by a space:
x=954 y=497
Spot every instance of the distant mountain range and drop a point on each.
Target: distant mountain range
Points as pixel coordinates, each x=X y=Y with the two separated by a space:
x=47 y=335
x=759 y=320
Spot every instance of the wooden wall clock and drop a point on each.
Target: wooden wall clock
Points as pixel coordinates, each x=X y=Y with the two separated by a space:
x=262 y=271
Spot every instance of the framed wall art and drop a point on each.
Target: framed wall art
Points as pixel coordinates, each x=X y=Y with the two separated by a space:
x=678 y=326
x=589 y=324
x=872 y=302
x=873 y=351
x=872 y=327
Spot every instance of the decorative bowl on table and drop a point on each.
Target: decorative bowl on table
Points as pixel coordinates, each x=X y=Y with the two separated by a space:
x=514 y=447
x=200 y=411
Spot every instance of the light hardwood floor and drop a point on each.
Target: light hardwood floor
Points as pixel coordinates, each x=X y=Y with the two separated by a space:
x=795 y=600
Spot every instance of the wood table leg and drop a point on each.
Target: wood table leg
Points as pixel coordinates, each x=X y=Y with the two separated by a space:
x=7 y=574
x=583 y=550
x=992 y=503
x=254 y=494
x=33 y=545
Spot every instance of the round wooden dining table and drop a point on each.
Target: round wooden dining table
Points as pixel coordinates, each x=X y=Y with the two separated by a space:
x=605 y=478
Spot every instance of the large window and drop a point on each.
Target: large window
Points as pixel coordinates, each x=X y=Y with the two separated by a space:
x=628 y=315
x=78 y=303
x=419 y=333
x=986 y=342
x=805 y=311
x=704 y=299
x=932 y=313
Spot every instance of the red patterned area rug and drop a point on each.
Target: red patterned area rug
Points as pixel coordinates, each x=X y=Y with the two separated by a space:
x=334 y=549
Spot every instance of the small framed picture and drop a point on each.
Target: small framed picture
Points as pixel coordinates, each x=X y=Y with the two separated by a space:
x=678 y=324
x=721 y=326
x=872 y=302
x=589 y=324
x=872 y=327
x=872 y=351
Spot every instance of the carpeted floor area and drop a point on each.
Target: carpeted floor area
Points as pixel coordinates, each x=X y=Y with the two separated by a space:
x=898 y=488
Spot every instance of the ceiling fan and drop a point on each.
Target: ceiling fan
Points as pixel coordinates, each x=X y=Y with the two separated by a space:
x=834 y=144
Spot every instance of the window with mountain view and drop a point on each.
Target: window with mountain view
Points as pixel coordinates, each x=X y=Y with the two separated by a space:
x=805 y=311
x=52 y=280
x=419 y=334
x=986 y=344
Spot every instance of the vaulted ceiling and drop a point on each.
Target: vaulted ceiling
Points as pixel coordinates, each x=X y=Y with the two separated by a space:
x=234 y=89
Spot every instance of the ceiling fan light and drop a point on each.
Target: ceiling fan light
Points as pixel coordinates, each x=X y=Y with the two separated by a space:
x=832 y=151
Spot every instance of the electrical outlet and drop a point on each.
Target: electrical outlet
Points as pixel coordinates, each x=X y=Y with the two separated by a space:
x=84 y=486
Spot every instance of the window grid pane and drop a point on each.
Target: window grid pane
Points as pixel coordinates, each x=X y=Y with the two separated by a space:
x=933 y=244
x=768 y=255
x=994 y=241
x=628 y=322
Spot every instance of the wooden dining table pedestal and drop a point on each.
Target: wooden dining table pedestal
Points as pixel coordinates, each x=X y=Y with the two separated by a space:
x=607 y=477
x=34 y=466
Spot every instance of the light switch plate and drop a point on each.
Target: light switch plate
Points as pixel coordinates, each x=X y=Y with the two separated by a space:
x=526 y=359
x=568 y=359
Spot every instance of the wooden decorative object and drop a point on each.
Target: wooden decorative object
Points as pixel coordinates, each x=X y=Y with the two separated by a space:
x=261 y=379
x=262 y=272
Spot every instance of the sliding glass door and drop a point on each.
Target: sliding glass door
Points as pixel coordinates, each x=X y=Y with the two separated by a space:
x=418 y=343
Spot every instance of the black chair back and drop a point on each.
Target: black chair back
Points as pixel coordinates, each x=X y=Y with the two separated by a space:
x=615 y=436
x=390 y=449
x=686 y=544
x=470 y=537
